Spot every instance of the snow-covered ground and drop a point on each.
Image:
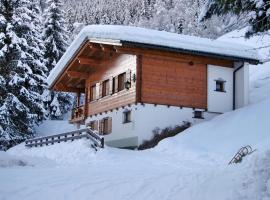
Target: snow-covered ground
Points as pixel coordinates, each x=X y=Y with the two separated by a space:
x=193 y=165
x=52 y=127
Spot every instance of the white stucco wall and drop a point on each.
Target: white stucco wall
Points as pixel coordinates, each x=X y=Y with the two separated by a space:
x=120 y=131
x=145 y=118
x=241 y=85
x=149 y=117
x=219 y=101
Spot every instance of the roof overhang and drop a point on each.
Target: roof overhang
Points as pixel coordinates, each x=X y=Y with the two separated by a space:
x=187 y=51
x=84 y=37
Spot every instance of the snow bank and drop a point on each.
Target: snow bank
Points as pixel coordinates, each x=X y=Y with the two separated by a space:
x=117 y=34
x=225 y=134
x=7 y=160
x=76 y=152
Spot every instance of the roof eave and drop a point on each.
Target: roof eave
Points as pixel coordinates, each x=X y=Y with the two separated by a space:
x=199 y=53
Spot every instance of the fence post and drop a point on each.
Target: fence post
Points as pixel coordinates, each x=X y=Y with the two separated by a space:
x=102 y=142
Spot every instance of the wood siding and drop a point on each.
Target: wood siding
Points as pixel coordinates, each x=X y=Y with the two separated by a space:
x=120 y=64
x=169 y=81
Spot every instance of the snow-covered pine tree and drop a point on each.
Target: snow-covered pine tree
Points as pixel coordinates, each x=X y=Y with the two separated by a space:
x=55 y=33
x=20 y=108
x=55 y=37
x=37 y=65
x=257 y=12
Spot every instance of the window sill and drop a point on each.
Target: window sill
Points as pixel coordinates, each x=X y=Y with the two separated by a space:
x=198 y=117
x=126 y=122
x=220 y=91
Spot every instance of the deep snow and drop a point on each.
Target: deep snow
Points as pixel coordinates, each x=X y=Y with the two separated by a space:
x=193 y=165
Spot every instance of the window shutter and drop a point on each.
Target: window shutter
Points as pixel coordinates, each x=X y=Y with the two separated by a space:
x=98 y=86
x=109 y=125
x=101 y=125
x=128 y=76
x=100 y=90
x=116 y=84
x=111 y=85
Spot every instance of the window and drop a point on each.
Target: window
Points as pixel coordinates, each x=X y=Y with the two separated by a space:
x=198 y=114
x=220 y=85
x=105 y=88
x=105 y=126
x=126 y=116
x=93 y=93
x=93 y=125
x=121 y=81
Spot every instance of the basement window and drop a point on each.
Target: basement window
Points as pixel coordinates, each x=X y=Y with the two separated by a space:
x=93 y=125
x=126 y=116
x=198 y=114
x=220 y=85
x=105 y=126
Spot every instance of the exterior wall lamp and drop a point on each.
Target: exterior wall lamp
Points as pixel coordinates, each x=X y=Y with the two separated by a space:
x=127 y=84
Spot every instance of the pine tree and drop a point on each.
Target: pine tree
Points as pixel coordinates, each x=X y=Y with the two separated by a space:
x=55 y=38
x=37 y=65
x=257 y=12
x=20 y=107
x=55 y=33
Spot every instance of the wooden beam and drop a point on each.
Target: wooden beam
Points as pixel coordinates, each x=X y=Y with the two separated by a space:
x=106 y=48
x=88 y=61
x=76 y=83
x=61 y=87
x=94 y=47
x=75 y=74
x=181 y=57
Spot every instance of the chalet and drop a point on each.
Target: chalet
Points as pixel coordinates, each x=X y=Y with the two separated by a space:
x=133 y=80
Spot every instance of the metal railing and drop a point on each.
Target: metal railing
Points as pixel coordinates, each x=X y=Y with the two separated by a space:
x=242 y=152
x=97 y=140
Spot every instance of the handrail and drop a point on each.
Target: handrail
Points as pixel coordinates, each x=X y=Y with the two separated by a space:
x=242 y=152
x=63 y=137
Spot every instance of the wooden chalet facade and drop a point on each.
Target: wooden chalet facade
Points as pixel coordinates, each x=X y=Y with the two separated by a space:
x=118 y=78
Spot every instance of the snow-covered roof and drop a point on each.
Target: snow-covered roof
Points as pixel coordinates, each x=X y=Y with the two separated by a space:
x=118 y=35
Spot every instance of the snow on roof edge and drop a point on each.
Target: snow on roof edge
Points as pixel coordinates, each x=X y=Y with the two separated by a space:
x=118 y=34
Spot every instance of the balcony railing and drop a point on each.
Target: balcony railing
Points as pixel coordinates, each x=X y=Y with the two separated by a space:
x=78 y=114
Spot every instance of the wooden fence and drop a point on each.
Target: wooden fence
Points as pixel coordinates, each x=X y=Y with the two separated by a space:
x=68 y=136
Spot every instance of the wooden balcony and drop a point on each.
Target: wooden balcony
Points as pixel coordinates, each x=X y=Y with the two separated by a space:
x=78 y=114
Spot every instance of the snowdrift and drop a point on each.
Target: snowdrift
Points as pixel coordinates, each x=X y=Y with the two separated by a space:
x=225 y=134
x=76 y=152
x=7 y=160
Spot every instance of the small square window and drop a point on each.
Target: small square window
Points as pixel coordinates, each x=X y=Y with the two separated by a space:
x=93 y=125
x=198 y=114
x=220 y=85
x=126 y=116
